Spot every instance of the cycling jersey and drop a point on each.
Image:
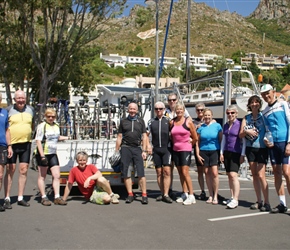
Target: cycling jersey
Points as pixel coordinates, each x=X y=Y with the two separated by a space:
x=277 y=119
x=159 y=129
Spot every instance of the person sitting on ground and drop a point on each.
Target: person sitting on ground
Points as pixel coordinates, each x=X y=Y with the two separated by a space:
x=87 y=176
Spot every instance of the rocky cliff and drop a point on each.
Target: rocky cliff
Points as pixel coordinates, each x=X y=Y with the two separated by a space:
x=211 y=31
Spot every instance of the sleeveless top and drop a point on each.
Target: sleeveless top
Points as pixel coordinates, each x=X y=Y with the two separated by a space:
x=181 y=137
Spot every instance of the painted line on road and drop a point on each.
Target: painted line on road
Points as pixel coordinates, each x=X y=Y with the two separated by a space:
x=237 y=216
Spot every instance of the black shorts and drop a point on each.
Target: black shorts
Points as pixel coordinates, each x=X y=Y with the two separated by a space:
x=181 y=158
x=161 y=157
x=232 y=161
x=21 y=150
x=211 y=157
x=131 y=155
x=277 y=154
x=259 y=155
x=52 y=160
x=3 y=155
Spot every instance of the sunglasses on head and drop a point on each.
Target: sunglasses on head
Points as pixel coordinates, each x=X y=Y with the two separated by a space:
x=158 y=108
x=171 y=100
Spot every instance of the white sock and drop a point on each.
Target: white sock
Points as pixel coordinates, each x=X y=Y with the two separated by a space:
x=43 y=196
x=191 y=196
x=7 y=198
x=56 y=196
x=20 y=198
x=186 y=194
x=282 y=199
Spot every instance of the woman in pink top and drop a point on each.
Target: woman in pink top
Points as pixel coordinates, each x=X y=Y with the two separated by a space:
x=183 y=136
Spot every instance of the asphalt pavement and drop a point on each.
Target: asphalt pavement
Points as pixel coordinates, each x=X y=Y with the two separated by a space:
x=158 y=225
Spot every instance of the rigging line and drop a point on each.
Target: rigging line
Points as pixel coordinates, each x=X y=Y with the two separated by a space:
x=165 y=40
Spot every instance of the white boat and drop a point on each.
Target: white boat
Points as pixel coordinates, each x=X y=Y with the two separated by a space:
x=215 y=97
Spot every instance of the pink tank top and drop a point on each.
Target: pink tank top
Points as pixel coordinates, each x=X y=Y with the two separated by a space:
x=181 y=137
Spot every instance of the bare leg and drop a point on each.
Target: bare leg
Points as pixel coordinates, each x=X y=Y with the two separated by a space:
x=55 y=171
x=187 y=178
x=41 y=179
x=277 y=171
x=286 y=173
x=208 y=179
x=128 y=184
x=263 y=182
x=142 y=181
x=10 y=170
x=182 y=180
x=1 y=175
x=256 y=180
x=215 y=181
x=166 y=179
x=160 y=179
x=200 y=172
x=235 y=185
x=23 y=168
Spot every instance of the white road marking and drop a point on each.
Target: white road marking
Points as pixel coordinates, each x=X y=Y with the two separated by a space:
x=238 y=216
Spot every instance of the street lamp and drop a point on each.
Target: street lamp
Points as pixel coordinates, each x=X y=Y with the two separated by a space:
x=151 y=2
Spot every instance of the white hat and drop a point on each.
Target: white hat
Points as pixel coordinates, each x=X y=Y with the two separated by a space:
x=266 y=87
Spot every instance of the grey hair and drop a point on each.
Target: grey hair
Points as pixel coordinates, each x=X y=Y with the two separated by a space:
x=82 y=153
x=159 y=104
x=200 y=104
x=232 y=107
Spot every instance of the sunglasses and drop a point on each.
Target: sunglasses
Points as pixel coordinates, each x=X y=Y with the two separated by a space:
x=158 y=108
x=199 y=110
x=51 y=116
x=231 y=113
x=171 y=100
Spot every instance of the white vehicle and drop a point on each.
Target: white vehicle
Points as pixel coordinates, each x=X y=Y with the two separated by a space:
x=98 y=150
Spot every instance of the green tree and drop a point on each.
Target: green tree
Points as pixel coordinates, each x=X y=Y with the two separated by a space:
x=57 y=29
x=138 y=51
x=236 y=56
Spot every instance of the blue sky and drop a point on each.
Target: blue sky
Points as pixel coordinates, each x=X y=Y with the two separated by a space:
x=243 y=7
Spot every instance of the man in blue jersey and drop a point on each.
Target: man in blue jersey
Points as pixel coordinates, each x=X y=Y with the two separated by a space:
x=277 y=120
x=5 y=144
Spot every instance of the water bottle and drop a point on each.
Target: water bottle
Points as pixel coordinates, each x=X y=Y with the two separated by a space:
x=269 y=139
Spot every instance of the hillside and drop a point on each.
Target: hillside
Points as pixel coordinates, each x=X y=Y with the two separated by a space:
x=212 y=31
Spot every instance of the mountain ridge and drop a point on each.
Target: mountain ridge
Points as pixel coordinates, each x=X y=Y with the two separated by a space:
x=212 y=31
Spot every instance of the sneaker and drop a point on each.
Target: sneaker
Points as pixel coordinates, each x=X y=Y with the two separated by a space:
x=256 y=206
x=279 y=209
x=233 y=204
x=265 y=208
x=2 y=209
x=190 y=200
x=202 y=196
x=182 y=198
x=226 y=202
x=7 y=204
x=45 y=202
x=116 y=195
x=144 y=200
x=23 y=203
x=130 y=199
x=59 y=201
x=166 y=199
x=159 y=198
x=114 y=199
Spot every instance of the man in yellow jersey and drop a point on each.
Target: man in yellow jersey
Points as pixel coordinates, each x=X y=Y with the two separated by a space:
x=20 y=126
